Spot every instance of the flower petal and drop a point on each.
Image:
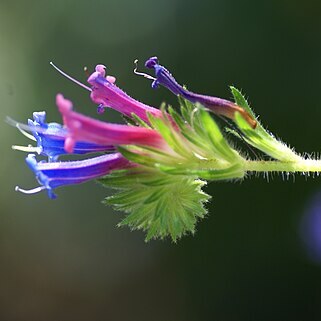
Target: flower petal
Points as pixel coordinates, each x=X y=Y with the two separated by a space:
x=54 y=174
x=107 y=94
x=83 y=128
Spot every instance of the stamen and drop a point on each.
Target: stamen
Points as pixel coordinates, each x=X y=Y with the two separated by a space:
x=30 y=191
x=69 y=77
x=27 y=149
x=20 y=127
x=23 y=132
x=86 y=72
x=141 y=73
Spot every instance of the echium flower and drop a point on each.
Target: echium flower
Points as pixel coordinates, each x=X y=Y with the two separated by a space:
x=160 y=160
x=217 y=105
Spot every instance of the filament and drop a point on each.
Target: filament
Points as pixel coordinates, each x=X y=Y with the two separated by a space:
x=141 y=73
x=23 y=128
x=30 y=191
x=69 y=77
x=23 y=132
x=28 y=149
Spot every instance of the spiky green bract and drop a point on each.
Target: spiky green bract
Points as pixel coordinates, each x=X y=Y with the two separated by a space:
x=259 y=137
x=160 y=204
x=163 y=195
x=195 y=146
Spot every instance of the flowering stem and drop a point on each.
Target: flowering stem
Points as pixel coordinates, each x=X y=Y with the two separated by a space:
x=302 y=165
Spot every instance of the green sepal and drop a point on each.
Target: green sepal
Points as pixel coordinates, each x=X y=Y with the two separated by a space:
x=214 y=134
x=241 y=101
x=164 y=127
x=259 y=137
x=160 y=204
x=139 y=121
x=136 y=157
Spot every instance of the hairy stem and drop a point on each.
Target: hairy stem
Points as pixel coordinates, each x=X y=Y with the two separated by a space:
x=302 y=165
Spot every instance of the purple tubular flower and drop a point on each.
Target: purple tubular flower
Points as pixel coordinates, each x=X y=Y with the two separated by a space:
x=55 y=174
x=83 y=128
x=50 y=139
x=217 y=105
x=107 y=94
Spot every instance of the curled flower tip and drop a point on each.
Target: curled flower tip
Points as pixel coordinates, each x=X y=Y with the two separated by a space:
x=69 y=77
x=30 y=191
x=151 y=62
x=101 y=69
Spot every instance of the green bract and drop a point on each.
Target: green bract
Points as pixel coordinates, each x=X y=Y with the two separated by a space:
x=163 y=194
x=157 y=203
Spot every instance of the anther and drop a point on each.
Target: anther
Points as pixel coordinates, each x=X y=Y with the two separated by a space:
x=86 y=71
x=30 y=191
x=100 y=109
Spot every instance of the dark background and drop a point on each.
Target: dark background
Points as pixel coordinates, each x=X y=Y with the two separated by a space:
x=65 y=259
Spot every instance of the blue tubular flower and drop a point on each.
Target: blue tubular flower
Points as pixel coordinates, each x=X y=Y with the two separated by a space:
x=217 y=105
x=55 y=174
x=50 y=138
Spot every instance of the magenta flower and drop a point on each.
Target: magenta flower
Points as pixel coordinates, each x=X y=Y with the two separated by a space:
x=83 y=128
x=107 y=94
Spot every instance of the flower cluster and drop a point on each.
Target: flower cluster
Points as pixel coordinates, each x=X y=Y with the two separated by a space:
x=158 y=161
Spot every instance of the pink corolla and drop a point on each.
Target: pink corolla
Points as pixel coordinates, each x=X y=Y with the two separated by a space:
x=83 y=128
x=107 y=94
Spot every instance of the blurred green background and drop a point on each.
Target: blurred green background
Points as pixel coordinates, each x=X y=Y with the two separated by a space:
x=65 y=259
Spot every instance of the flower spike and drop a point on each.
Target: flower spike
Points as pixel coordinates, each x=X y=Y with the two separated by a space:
x=217 y=105
x=158 y=162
